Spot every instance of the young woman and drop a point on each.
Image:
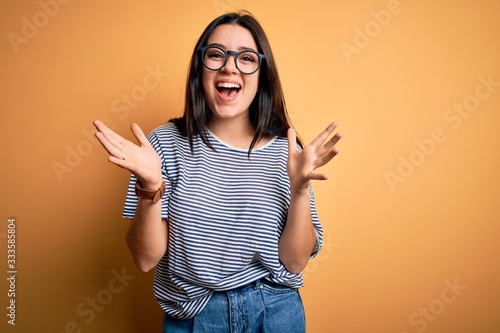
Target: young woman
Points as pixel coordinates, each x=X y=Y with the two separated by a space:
x=220 y=199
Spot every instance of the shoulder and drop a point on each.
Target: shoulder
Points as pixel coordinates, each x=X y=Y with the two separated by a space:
x=165 y=133
x=165 y=129
x=167 y=136
x=281 y=143
x=276 y=150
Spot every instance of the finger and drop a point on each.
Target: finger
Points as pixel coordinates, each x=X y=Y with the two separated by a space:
x=328 y=146
x=139 y=135
x=121 y=162
x=109 y=134
x=327 y=157
x=124 y=164
x=324 y=135
x=98 y=124
x=101 y=127
x=111 y=148
x=114 y=143
x=292 y=141
x=317 y=176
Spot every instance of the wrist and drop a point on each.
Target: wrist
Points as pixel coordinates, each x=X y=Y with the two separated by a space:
x=302 y=191
x=154 y=194
x=148 y=186
x=300 y=188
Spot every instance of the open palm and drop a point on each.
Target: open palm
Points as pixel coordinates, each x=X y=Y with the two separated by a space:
x=142 y=160
x=301 y=165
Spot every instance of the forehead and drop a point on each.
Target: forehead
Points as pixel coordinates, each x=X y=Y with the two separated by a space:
x=232 y=37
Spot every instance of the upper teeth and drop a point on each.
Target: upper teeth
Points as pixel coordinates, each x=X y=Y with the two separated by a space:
x=228 y=85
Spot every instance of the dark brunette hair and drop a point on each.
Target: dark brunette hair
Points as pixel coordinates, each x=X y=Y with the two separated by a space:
x=267 y=111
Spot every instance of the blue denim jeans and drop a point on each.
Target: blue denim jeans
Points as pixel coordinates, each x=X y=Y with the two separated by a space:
x=260 y=307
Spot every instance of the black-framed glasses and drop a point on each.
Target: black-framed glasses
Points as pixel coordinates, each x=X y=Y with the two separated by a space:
x=215 y=57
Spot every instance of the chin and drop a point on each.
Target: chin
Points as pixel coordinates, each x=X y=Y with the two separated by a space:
x=228 y=113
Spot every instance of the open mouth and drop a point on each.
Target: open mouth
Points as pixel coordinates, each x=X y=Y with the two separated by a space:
x=229 y=89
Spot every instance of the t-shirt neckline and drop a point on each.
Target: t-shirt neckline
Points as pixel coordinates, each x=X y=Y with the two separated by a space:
x=215 y=137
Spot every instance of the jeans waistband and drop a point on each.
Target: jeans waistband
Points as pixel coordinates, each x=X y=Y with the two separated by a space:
x=258 y=284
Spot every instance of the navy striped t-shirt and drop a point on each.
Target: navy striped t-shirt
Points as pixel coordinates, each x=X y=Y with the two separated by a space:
x=225 y=212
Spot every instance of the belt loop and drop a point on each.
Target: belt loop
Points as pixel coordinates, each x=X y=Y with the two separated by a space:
x=258 y=284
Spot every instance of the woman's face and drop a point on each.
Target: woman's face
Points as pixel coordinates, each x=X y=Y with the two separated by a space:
x=228 y=92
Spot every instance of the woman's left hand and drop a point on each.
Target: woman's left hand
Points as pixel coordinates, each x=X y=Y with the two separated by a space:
x=301 y=165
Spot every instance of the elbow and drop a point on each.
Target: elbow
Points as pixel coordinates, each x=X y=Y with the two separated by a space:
x=296 y=269
x=144 y=269
x=143 y=265
x=295 y=266
x=144 y=261
x=294 y=261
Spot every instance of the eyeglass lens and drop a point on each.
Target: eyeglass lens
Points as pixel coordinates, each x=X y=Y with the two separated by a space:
x=247 y=62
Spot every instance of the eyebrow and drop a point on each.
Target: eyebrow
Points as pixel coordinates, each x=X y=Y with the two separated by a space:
x=241 y=48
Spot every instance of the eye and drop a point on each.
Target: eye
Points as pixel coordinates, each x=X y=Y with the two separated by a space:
x=248 y=57
x=215 y=54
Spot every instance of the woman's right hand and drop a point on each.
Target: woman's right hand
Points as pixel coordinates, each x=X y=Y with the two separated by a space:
x=142 y=160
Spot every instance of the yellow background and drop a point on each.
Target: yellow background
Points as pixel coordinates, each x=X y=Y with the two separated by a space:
x=411 y=208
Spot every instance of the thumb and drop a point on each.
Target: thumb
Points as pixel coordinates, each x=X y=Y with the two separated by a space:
x=292 y=141
x=139 y=135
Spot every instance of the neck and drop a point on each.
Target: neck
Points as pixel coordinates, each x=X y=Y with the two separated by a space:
x=236 y=132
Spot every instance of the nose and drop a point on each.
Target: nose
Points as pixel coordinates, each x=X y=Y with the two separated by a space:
x=230 y=66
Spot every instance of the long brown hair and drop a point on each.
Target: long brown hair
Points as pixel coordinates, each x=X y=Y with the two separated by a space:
x=267 y=111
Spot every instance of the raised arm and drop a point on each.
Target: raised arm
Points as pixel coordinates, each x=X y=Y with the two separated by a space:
x=147 y=235
x=298 y=239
